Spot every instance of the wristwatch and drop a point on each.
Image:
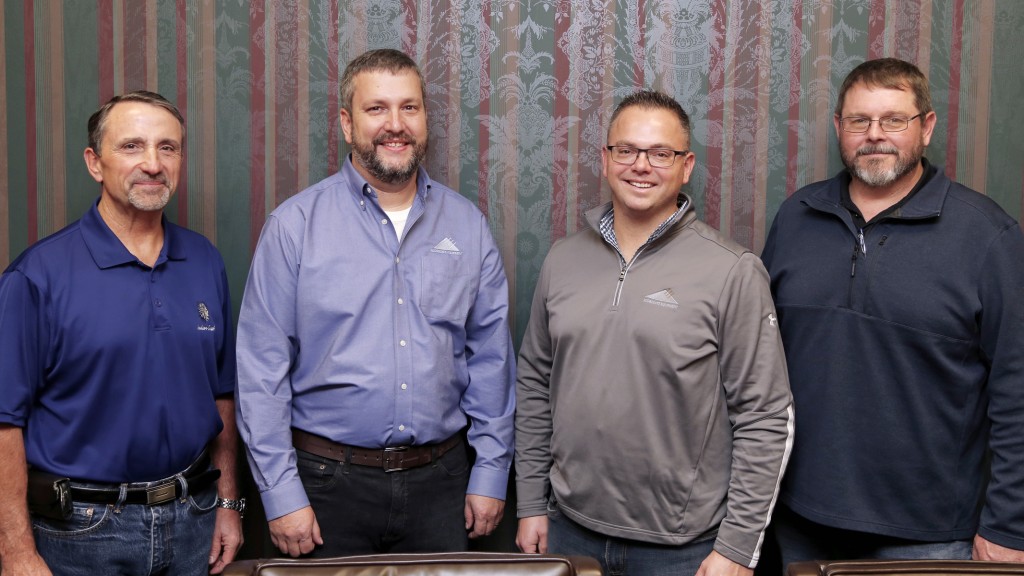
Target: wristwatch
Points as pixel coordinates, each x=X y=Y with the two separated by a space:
x=236 y=505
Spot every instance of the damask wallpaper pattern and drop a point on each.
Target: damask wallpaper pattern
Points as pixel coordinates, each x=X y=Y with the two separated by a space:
x=519 y=96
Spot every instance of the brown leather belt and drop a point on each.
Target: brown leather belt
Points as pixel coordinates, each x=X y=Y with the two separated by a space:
x=390 y=459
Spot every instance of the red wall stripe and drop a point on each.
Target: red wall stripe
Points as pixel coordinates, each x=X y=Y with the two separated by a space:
x=955 y=55
x=30 y=123
x=181 y=30
x=258 y=105
x=716 y=118
x=793 y=134
x=333 y=95
x=558 y=193
x=105 y=41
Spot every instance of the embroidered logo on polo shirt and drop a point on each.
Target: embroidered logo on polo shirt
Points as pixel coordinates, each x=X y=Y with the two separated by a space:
x=446 y=246
x=663 y=298
x=204 y=315
x=773 y=320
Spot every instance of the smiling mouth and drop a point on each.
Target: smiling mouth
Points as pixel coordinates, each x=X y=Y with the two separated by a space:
x=641 y=185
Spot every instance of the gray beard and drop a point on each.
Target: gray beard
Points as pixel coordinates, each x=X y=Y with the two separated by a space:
x=878 y=177
x=148 y=203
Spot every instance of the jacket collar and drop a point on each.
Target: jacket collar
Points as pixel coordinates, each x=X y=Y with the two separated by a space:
x=926 y=203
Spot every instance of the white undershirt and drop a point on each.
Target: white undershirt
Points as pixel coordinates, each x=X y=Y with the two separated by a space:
x=398 y=219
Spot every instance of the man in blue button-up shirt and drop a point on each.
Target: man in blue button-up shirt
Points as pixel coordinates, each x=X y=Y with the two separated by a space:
x=373 y=339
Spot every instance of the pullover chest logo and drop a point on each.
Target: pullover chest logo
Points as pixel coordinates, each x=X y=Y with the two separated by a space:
x=663 y=298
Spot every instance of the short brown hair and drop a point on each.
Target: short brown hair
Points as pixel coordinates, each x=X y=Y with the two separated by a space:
x=891 y=73
x=98 y=121
x=652 y=99
x=383 y=59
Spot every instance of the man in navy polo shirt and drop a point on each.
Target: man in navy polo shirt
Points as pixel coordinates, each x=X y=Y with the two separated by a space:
x=118 y=374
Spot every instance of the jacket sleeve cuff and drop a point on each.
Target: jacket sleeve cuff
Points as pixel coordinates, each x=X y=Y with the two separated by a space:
x=1001 y=538
x=284 y=499
x=488 y=482
x=726 y=545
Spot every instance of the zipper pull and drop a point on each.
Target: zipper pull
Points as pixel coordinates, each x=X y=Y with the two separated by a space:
x=853 y=261
x=860 y=239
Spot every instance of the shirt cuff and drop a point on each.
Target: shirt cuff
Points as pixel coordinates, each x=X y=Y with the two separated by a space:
x=285 y=498
x=488 y=482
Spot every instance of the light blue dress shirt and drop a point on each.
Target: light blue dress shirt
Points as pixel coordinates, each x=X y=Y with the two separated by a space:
x=351 y=334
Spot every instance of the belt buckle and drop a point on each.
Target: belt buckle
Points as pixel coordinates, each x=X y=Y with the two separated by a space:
x=387 y=458
x=160 y=494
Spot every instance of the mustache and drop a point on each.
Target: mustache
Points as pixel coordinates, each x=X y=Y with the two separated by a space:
x=877 y=149
x=161 y=179
x=389 y=136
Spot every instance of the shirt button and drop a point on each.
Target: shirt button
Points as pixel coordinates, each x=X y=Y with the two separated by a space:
x=404 y=385
x=158 y=303
x=401 y=342
x=397 y=259
x=400 y=301
x=401 y=427
x=384 y=221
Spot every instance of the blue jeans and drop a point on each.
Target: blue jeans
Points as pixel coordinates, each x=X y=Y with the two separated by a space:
x=131 y=540
x=801 y=540
x=365 y=510
x=619 y=556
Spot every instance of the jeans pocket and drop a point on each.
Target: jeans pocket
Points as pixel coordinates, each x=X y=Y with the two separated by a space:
x=315 y=472
x=456 y=461
x=204 y=501
x=85 y=519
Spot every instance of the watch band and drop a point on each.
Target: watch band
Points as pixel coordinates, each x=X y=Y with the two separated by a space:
x=236 y=505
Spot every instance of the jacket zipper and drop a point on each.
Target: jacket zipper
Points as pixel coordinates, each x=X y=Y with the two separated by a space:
x=622 y=275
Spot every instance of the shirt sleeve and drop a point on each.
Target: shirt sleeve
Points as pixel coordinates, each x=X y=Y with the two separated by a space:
x=760 y=405
x=489 y=399
x=1002 y=343
x=265 y=352
x=227 y=371
x=533 y=409
x=22 y=333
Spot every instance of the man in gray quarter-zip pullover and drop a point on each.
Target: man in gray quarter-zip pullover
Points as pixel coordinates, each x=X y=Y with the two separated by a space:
x=654 y=418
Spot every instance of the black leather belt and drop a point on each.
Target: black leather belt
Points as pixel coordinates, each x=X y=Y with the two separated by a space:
x=390 y=459
x=198 y=476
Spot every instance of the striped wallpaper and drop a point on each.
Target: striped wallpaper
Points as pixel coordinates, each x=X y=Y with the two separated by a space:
x=519 y=94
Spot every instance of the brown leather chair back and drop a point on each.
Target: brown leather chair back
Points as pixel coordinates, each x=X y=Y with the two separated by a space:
x=903 y=568
x=446 y=564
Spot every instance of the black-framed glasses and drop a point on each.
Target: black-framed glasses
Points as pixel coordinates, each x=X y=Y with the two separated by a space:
x=660 y=157
x=860 y=124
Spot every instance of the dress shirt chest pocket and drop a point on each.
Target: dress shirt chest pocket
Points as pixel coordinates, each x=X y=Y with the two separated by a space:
x=446 y=284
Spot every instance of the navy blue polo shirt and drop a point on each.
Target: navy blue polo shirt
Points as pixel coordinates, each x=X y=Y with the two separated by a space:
x=111 y=366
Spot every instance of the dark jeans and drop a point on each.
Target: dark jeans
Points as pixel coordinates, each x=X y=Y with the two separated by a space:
x=171 y=539
x=801 y=539
x=621 y=557
x=365 y=510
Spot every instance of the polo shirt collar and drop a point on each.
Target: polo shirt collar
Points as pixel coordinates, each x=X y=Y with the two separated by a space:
x=107 y=250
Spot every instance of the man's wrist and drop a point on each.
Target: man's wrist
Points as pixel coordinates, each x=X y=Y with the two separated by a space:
x=230 y=504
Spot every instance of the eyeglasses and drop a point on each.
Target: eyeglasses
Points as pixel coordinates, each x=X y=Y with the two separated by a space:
x=860 y=124
x=660 y=157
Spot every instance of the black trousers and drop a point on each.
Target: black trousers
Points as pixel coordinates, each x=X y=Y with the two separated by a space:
x=365 y=510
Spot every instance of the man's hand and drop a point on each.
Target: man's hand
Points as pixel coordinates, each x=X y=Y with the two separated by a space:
x=27 y=564
x=227 y=539
x=482 y=514
x=532 y=537
x=985 y=550
x=296 y=533
x=717 y=565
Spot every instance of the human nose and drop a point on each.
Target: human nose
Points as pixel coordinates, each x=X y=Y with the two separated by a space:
x=874 y=130
x=151 y=160
x=641 y=165
x=394 y=120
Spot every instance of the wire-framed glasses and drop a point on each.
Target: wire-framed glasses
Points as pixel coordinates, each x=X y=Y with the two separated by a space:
x=860 y=124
